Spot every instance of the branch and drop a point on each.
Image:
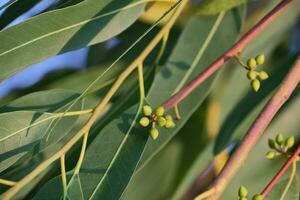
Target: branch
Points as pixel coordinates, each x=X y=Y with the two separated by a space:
x=7 y=182
x=257 y=129
x=281 y=172
x=238 y=47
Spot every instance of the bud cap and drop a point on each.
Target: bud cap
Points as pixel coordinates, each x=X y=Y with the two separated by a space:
x=144 y=121
x=160 y=111
x=147 y=110
x=243 y=192
x=251 y=75
x=161 y=121
x=260 y=59
x=154 y=133
x=258 y=197
x=170 y=124
x=255 y=84
x=263 y=75
x=251 y=63
x=279 y=139
x=270 y=155
x=289 y=142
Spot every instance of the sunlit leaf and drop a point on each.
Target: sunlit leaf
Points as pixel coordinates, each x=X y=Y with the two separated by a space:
x=27 y=120
x=63 y=30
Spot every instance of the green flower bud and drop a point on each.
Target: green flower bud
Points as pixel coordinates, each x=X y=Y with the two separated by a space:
x=154 y=133
x=251 y=63
x=160 y=111
x=260 y=59
x=263 y=75
x=255 y=84
x=161 y=121
x=243 y=192
x=147 y=110
x=243 y=198
x=289 y=142
x=298 y=158
x=258 y=197
x=251 y=75
x=144 y=121
x=270 y=155
x=272 y=144
x=169 y=117
x=279 y=139
x=170 y=124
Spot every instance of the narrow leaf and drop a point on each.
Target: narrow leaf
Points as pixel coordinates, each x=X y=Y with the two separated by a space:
x=63 y=30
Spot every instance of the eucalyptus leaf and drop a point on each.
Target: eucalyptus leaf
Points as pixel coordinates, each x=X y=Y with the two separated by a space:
x=43 y=101
x=157 y=178
x=198 y=166
x=25 y=121
x=63 y=30
x=15 y=139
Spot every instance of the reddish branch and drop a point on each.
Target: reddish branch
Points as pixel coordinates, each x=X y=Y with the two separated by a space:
x=257 y=129
x=238 y=47
x=284 y=168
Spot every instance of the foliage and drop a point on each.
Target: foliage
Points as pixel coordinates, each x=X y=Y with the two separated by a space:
x=83 y=128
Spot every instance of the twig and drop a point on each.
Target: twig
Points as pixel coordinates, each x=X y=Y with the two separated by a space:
x=257 y=129
x=7 y=182
x=63 y=174
x=281 y=172
x=82 y=152
x=290 y=181
x=238 y=47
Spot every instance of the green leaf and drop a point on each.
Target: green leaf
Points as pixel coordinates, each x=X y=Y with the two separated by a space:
x=65 y=3
x=212 y=7
x=156 y=178
x=15 y=139
x=43 y=101
x=198 y=166
x=25 y=121
x=119 y=149
x=63 y=30
x=292 y=193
